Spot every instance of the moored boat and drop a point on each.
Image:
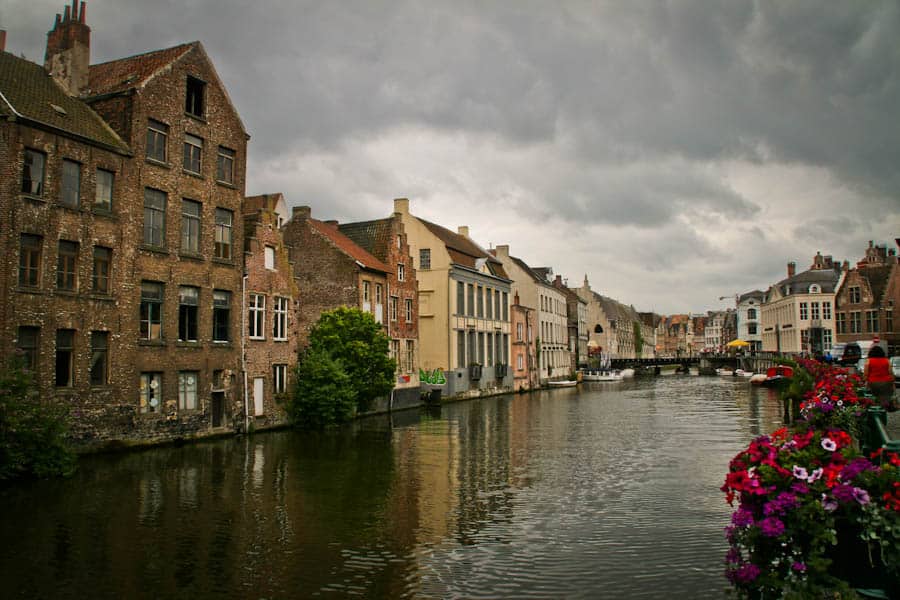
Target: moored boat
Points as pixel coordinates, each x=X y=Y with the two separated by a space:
x=777 y=376
x=601 y=375
x=562 y=383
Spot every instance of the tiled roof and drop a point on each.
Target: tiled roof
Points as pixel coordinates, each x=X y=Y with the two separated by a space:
x=799 y=284
x=464 y=251
x=134 y=71
x=30 y=93
x=372 y=236
x=346 y=245
x=755 y=294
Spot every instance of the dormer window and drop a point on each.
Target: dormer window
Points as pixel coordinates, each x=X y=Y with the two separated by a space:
x=194 y=98
x=815 y=289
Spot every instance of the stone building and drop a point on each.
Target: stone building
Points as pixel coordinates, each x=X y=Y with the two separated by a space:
x=576 y=322
x=385 y=239
x=748 y=319
x=866 y=297
x=270 y=303
x=464 y=320
x=121 y=202
x=615 y=329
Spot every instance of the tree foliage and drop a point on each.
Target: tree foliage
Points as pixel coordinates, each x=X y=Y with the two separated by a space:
x=32 y=434
x=345 y=367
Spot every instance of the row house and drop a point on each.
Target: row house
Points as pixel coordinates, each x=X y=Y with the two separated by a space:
x=523 y=358
x=464 y=307
x=386 y=240
x=697 y=338
x=649 y=329
x=866 y=297
x=748 y=319
x=798 y=316
x=675 y=335
x=549 y=303
x=615 y=329
x=576 y=310
x=270 y=304
x=122 y=229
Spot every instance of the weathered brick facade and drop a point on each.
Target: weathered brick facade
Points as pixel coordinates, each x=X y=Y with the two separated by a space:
x=270 y=356
x=133 y=368
x=867 y=296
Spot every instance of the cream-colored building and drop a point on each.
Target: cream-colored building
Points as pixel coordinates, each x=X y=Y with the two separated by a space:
x=798 y=313
x=612 y=326
x=536 y=290
x=464 y=296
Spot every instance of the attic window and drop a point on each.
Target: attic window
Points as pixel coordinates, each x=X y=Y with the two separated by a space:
x=58 y=109
x=815 y=288
x=193 y=101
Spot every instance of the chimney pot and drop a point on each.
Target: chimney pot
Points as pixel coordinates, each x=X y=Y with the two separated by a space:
x=301 y=212
x=463 y=230
x=791 y=268
x=401 y=205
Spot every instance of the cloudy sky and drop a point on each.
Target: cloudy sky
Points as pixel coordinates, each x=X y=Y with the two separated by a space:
x=674 y=152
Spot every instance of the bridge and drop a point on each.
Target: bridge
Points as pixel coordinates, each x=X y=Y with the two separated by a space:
x=757 y=362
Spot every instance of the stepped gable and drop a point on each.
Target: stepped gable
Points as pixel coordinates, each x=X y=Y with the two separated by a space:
x=464 y=251
x=32 y=96
x=372 y=236
x=348 y=247
x=877 y=278
x=133 y=72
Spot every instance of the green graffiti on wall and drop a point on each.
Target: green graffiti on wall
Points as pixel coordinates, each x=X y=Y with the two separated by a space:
x=435 y=377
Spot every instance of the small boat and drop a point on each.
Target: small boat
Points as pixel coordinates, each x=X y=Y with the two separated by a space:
x=743 y=373
x=562 y=383
x=601 y=375
x=757 y=378
x=721 y=372
x=778 y=376
x=627 y=373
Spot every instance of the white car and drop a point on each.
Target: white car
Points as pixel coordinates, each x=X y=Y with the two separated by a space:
x=895 y=367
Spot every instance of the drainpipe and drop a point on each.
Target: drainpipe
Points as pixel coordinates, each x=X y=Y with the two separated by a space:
x=243 y=350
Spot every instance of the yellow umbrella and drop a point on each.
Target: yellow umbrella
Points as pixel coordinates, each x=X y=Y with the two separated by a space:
x=737 y=344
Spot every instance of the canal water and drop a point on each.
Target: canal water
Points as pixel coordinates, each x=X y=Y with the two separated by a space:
x=602 y=491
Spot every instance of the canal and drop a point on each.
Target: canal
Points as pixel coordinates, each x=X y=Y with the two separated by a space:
x=601 y=491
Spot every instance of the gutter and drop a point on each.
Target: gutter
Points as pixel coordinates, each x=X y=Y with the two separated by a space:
x=243 y=351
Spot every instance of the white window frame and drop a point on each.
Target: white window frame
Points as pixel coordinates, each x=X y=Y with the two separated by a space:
x=280 y=318
x=401 y=272
x=279 y=378
x=188 y=386
x=409 y=310
x=269 y=257
x=256 y=317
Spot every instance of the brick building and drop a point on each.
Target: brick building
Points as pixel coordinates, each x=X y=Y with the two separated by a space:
x=271 y=300
x=386 y=240
x=523 y=358
x=121 y=231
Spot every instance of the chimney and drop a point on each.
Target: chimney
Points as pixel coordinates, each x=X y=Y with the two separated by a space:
x=68 y=53
x=463 y=230
x=332 y=223
x=2 y=40
x=502 y=251
x=301 y=213
x=792 y=268
x=401 y=205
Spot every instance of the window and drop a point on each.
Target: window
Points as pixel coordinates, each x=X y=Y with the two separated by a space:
x=187 y=390
x=188 y=303
x=65 y=353
x=520 y=362
x=460 y=348
x=490 y=349
x=27 y=341
x=366 y=294
x=150 y=392
x=190 y=226
x=395 y=352
x=488 y=304
x=154 y=218
x=519 y=331
x=751 y=314
x=257 y=317
x=826 y=311
x=470 y=300
x=104 y=192
x=223 y=234
x=409 y=310
x=401 y=272
x=221 y=315
x=855 y=322
x=33 y=172
x=855 y=295
x=872 y=321
x=460 y=298
x=29 y=259
x=504 y=349
x=815 y=289
x=100 y=275
x=480 y=296
x=751 y=328
x=157 y=136
x=814 y=311
x=505 y=306
x=280 y=321
x=425 y=259
x=410 y=355
x=889 y=321
x=70 y=186
x=480 y=348
x=99 y=357
x=225 y=165
x=841 y=323
x=378 y=294
x=151 y=310
x=193 y=99
x=472 y=355
x=67 y=258
x=279 y=378
x=826 y=339
x=804 y=311
x=393 y=301
x=269 y=257
x=193 y=151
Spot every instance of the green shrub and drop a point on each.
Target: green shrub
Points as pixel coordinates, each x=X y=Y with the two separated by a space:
x=323 y=395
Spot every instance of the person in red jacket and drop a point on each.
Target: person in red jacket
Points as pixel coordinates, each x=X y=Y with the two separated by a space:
x=880 y=378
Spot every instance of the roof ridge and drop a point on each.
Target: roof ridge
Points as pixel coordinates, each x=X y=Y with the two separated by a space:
x=145 y=54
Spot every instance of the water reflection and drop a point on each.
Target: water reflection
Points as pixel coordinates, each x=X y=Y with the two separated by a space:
x=607 y=491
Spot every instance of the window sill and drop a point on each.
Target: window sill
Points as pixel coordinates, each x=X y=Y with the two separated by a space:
x=256 y=339
x=105 y=213
x=199 y=118
x=35 y=199
x=155 y=343
x=226 y=184
x=223 y=261
x=222 y=344
x=31 y=290
x=154 y=249
x=281 y=340
x=69 y=207
x=193 y=174
x=188 y=344
x=191 y=256
x=157 y=163
x=102 y=297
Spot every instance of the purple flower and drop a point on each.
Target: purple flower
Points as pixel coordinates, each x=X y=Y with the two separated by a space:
x=799 y=472
x=746 y=573
x=771 y=527
x=800 y=487
x=861 y=496
x=855 y=467
x=815 y=475
x=742 y=517
x=843 y=493
x=799 y=567
x=733 y=556
x=780 y=505
x=829 y=444
x=829 y=504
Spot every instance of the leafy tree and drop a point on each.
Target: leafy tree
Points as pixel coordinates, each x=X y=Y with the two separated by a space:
x=345 y=367
x=32 y=434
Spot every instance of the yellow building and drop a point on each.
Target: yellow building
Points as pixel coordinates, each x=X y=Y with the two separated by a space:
x=463 y=308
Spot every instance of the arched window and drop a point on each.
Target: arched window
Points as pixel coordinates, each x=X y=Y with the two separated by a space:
x=598 y=328
x=751 y=314
x=815 y=288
